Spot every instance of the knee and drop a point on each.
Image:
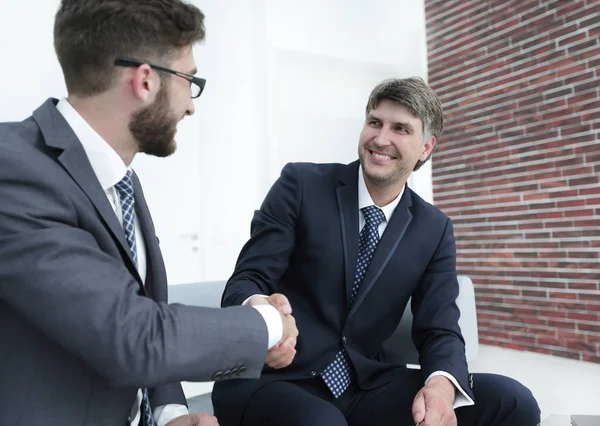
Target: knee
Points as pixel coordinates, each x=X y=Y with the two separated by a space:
x=332 y=417
x=505 y=401
x=520 y=400
x=525 y=403
x=316 y=417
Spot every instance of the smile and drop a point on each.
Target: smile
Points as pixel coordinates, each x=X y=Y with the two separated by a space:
x=381 y=156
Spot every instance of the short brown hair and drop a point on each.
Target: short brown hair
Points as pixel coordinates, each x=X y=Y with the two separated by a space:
x=420 y=100
x=90 y=34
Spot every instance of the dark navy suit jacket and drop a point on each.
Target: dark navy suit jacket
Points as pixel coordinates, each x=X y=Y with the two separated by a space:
x=304 y=244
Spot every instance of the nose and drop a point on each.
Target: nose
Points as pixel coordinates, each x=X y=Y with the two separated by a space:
x=191 y=108
x=381 y=138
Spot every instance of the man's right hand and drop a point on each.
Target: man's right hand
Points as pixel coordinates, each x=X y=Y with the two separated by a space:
x=282 y=354
x=202 y=419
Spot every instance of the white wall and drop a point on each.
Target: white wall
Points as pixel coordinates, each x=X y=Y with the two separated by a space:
x=287 y=81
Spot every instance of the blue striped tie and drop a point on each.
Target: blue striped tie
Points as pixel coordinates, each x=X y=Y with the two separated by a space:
x=125 y=191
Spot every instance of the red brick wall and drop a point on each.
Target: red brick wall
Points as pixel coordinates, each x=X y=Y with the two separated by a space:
x=518 y=166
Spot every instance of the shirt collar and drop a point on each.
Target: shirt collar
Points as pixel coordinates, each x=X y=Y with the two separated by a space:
x=106 y=163
x=365 y=200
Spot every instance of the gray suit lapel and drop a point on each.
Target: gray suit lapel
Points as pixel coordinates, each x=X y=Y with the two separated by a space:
x=387 y=246
x=347 y=197
x=58 y=134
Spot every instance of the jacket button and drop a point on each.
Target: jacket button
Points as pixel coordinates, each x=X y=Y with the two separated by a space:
x=312 y=373
x=217 y=375
x=242 y=370
x=344 y=340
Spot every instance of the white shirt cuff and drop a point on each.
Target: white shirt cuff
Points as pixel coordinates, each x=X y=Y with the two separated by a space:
x=273 y=320
x=462 y=399
x=245 y=302
x=271 y=316
x=165 y=413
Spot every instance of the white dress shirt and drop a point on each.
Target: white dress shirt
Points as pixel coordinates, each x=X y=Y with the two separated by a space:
x=364 y=200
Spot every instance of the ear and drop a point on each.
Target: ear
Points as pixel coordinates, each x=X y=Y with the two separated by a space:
x=427 y=148
x=144 y=83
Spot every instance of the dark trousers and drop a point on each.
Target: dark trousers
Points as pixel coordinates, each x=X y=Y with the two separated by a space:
x=499 y=401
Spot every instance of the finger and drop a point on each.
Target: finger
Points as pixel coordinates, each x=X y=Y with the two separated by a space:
x=433 y=411
x=447 y=416
x=418 y=408
x=292 y=329
x=291 y=358
x=283 y=348
x=274 y=347
x=200 y=419
x=276 y=357
x=280 y=302
x=280 y=353
x=434 y=417
x=272 y=362
x=289 y=342
x=453 y=421
x=284 y=362
x=280 y=358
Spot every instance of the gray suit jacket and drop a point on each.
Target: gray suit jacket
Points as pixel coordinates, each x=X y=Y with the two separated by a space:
x=79 y=332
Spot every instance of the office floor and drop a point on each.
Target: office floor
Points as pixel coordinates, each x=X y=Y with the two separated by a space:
x=560 y=385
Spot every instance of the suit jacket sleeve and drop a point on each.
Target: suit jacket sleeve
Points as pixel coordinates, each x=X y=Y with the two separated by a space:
x=436 y=332
x=273 y=230
x=171 y=393
x=55 y=275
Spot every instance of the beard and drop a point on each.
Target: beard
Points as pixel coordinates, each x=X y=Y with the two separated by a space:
x=382 y=179
x=154 y=127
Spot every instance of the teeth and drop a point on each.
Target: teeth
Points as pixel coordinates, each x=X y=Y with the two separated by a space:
x=381 y=156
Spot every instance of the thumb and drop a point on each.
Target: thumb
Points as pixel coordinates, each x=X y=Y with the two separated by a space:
x=418 y=408
x=281 y=303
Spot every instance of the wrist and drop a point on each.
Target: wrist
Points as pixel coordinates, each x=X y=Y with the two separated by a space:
x=257 y=299
x=445 y=385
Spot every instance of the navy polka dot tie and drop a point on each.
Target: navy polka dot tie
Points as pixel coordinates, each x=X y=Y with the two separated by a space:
x=125 y=190
x=338 y=374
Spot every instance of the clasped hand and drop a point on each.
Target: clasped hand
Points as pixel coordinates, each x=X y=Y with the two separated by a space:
x=282 y=354
x=202 y=419
x=434 y=404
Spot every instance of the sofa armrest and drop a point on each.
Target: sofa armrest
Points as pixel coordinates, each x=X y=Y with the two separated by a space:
x=206 y=293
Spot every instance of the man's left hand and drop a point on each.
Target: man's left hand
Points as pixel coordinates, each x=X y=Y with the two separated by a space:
x=202 y=419
x=434 y=404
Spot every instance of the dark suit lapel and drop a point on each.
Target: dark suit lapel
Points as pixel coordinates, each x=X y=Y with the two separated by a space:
x=387 y=246
x=58 y=134
x=155 y=266
x=347 y=197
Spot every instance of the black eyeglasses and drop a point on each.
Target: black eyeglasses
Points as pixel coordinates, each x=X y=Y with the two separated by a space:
x=196 y=84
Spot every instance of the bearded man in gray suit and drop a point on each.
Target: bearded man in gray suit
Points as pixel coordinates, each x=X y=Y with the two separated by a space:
x=88 y=337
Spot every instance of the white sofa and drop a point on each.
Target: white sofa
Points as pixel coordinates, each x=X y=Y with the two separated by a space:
x=209 y=294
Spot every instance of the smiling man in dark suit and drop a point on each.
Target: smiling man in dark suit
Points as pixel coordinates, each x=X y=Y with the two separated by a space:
x=87 y=336
x=349 y=245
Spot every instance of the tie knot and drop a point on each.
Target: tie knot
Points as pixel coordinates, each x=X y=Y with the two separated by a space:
x=373 y=215
x=125 y=185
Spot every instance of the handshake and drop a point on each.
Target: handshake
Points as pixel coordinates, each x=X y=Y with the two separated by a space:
x=282 y=354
